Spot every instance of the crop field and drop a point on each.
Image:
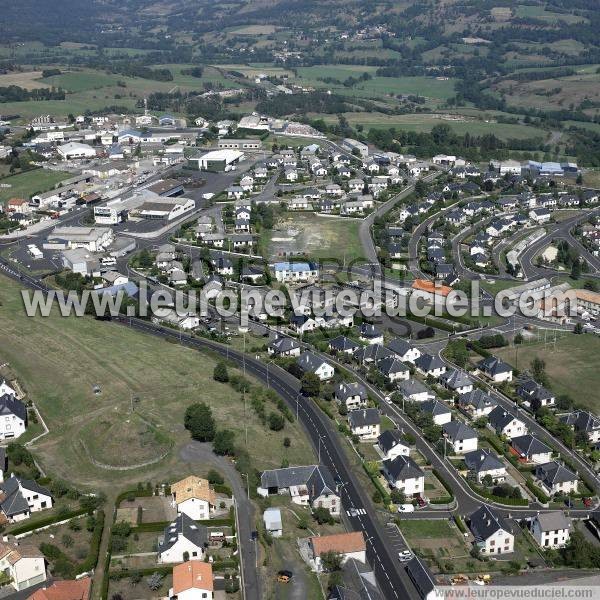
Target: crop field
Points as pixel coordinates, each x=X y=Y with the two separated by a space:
x=81 y=81
x=524 y=11
x=140 y=407
x=28 y=80
x=25 y=185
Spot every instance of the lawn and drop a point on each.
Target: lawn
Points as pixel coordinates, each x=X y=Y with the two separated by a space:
x=423 y=529
x=81 y=81
x=319 y=237
x=571 y=366
x=59 y=360
x=25 y=185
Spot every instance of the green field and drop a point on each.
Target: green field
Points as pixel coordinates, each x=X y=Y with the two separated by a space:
x=539 y=12
x=571 y=367
x=59 y=360
x=81 y=81
x=25 y=185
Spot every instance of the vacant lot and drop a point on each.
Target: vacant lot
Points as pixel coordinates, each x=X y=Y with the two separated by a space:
x=59 y=361
x=319 y=237
x=25 y=185
x=571 y=366
x=27 y=80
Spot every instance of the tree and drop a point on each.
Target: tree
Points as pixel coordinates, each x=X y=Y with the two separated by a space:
x=331 y=561
x=224 y=443
x=578 y=329
x=155 y=581
x=199 y=422
x=215 y=478
x=276 y=422
x=538 y=370
x=322 y=515
x=518 y=339
x=487 y=480
x=576 y=269
x=220 y=373
x=287 y=442
x=397 y=496
x=310 y=385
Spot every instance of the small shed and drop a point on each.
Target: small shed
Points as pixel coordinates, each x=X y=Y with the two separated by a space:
x=273 y=523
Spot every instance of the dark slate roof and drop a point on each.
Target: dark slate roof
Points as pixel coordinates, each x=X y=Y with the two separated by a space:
x=342 y=343
x=308 y=361
x=363 y=417
x=499 y=418
x=428 y=362
x=11 y=406
x=343 y=390
x=368 y=330
x=391 y=365
x=421 y=577
x=531 y=390
x=483 y=460
x=317 y=478
x=457 y=430
x=582 y=420
x=485 y=522
x=455 y=379
x=553 y=472
x=412 y=386
x=476 y=398
x=435 y=407
x=374 y=352
x=528 y=445
x=12 y=501
x=403 y=467
x=284 y=344
x=183 y=526
x=493 y=365
x=390 y=439
x=400 y=346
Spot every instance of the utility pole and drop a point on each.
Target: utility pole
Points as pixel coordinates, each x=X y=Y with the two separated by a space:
x=244 y=392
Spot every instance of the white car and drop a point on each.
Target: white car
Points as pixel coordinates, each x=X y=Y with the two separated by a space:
x=406 y=508
x=405 y=555
x=352 y=512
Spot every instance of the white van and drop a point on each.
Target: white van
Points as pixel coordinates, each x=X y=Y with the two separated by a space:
x=406 y=508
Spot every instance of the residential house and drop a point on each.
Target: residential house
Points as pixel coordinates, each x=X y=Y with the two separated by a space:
x=365 y=423
x=462 y=438
x=476 y=403
x=492 y=532
x=79 y=589
x=194 y=497
x=352 y=395
x=342 y=344
x=439 y=411
x=311 y=363
x=284 y=346
x=346 y=545
x=506 y=424
x=529 y=449
x=540 y=215
x=430 y=365
x=404 y=350
x=286 y=272
x=555 y=478
x=192 y=580
x=393 y=369
x=370 y=334
x=414 y=391
x=404 y=474
x=20 y=497
x=311 y=485
x=584 y=423
x=13 y=417
x=22 y=568
x=457 y=381
x=495 y=369
x=422 y=579
x=551 y=529
x=535 y=394
x=371 y=354
x=391 y=444
x=484 y=462
x=182 y=540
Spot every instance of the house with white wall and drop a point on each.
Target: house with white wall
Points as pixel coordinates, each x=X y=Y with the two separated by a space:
x=182 y=540
x=492 y=532
x=551 y=530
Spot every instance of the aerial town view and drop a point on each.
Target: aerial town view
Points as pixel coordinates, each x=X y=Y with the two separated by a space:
x=299 y=299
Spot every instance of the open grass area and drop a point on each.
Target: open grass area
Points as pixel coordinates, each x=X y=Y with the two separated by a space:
x=59 y=360
x=25 y=185
x=319 y=237
x=571 y=366
x=423 y=529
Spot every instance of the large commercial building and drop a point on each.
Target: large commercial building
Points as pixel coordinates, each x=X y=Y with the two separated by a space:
x=246 y=144
x=94 y=239
x=217 y=160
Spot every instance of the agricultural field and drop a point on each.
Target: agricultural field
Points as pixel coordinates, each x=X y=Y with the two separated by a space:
x=25 y=185
x=570 y=370
x=59 y=360
x=319 y=237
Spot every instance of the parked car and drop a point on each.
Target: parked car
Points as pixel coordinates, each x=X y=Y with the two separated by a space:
x=406 y=508
x=587 y=502
x=404 y=555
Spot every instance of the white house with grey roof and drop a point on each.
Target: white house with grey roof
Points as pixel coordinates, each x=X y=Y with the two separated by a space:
x=13 y=417
x=21 y=497
x=456 y=381
x=555 y=478
x=365 y=423
x=430 y=365
x=414 y=391
x=6 y=390
x=492 y=532
x=404 y=474
x=342 y=344
x=393 y=369
x=392 y=444
x=352 y=395
x=370 y=334
x=284 y=346
x=582 y=421
x=505 y=423
x=183 y=537
x=495 y=369
x=484 y=462
x=404 y=350
x=476 y=403
x=440 y=412
x=311 y=485
x=551 y=530
x=462 y=438
x=371 y=354
x=309 y=362
x=529 y=449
